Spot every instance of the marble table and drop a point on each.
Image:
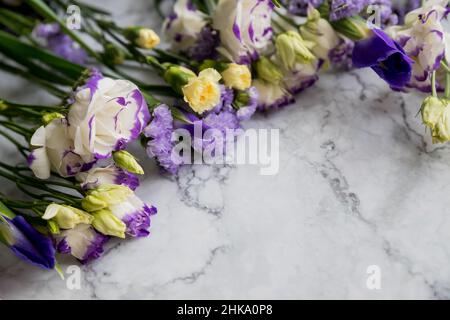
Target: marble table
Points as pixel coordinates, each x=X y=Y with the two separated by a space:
x=360 y=189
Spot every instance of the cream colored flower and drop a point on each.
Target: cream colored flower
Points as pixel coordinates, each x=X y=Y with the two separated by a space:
x=237 y=76
x=202 y=93
x=147 y=39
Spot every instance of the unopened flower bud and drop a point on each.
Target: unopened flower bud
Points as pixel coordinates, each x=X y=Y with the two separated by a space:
x=113 y=55
x=49 y=117
x=125 y=160
x=268 y=71
x=237 y=76
x=431 y=110
x=177 y=77
x=105 y=195
x=292 y=49
x=66 y=217
x=107 y=223
x=142 y=37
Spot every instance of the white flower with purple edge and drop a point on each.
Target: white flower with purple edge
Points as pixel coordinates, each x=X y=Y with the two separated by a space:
x=106 y=115
x=424 y=39
x=107 y=175
x=183 y=26
x=244 y=27
x=53 y=149
x=82 y=242
x=122 y=202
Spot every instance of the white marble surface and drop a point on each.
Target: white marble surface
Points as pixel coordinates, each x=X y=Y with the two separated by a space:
x=359 y=184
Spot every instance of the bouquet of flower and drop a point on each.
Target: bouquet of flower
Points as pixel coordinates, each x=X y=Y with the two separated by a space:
x=224 y=60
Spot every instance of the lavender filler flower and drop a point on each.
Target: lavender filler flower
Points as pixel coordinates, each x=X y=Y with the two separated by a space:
x=160 y=144
x=60 y=43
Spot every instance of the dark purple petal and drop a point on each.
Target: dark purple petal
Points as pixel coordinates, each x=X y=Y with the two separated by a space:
x=31 y=245
x=385 y=57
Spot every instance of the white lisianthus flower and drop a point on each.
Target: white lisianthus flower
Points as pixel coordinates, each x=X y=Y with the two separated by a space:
x=106 y=115
x=53 y=150
x=244 y=27
x=121 y=202
x=424 y=39
x=181 y=28
x=82 y=242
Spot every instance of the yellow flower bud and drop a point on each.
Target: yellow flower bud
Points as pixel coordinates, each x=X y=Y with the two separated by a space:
x=268 y=71
x=108 y=224
x=237 y=76
x=147 y=39
x=49 y=117
x=104 y=196
x=441 y=132
x=66 y=217
x=126 y=161
x=142 y=37
x=292 y=49
x=431 y=110
x=202 y=93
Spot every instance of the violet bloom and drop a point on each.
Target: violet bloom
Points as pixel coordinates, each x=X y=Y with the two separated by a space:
x=300 y=7
x=59 y=43
x=340 y=9
x=82 y=242
x=160 y=144
x=205 y=45
x=341 y=56
x=386 y=57
x=25 y=241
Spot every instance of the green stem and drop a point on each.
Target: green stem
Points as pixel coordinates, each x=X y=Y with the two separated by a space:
x=26 y=133
x=433 y=84
x=19 y=146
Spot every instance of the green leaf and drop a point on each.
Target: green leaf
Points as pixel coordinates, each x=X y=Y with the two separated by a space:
x=16 y=22
x=24 y=53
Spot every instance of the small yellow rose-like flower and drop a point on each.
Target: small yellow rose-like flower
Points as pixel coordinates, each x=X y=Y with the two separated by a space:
x=237 y=76
x=202 y=93
x=147 y=39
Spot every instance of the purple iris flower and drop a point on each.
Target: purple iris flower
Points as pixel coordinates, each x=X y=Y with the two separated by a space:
x=385 y=56
x=26 y=242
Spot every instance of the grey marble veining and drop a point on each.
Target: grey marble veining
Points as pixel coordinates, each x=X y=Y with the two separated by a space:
x=359 y=184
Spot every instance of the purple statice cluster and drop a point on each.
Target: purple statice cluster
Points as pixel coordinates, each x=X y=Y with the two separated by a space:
x=205 y=45
x=341 y=55
x=160 y=144
x=340 y=9
x=300 y=7
x=59 y=43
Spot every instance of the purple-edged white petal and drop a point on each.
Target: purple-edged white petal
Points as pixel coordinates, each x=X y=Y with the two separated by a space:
x=82 y=242
x=271 y=95
x=244 y=27
x=135 y=214
x=109 y=175
x=183 y=26
x=107 y=114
